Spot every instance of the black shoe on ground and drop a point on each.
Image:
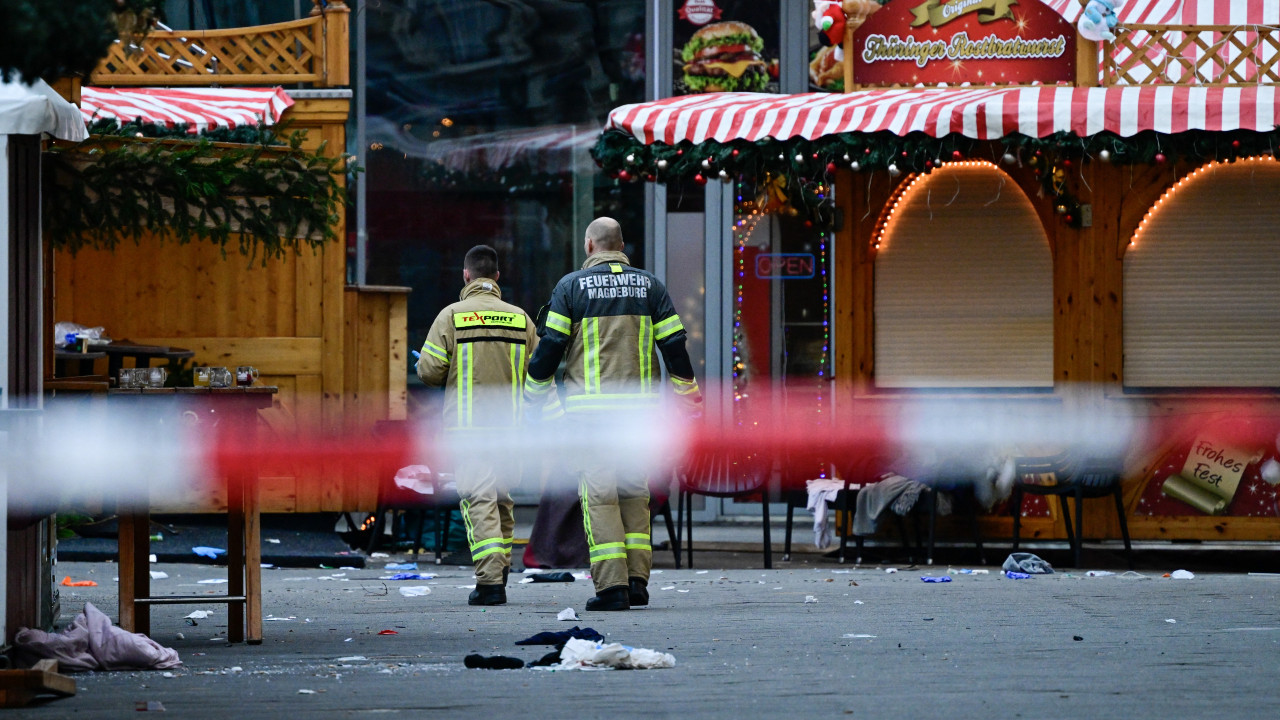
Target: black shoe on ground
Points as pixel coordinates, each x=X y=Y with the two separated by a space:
x=488 y=595
x=639 y=592
x=615 y=598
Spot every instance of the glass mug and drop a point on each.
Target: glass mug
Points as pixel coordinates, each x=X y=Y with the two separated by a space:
x=220 y=377
x=201 y=376
x=151 y=377
x=246 y=375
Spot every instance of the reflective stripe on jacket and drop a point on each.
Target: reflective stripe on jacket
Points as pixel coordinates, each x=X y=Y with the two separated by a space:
x=478 y=348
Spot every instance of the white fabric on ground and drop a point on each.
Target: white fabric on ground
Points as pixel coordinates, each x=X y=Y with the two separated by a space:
x=581 y=654
x=91 y=642
x=821 y=492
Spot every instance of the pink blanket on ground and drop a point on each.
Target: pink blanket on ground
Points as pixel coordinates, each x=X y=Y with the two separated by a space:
x=91 y=642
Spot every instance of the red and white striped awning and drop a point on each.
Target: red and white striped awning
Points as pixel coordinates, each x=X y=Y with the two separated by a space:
x=198 y=108
x=980 y=113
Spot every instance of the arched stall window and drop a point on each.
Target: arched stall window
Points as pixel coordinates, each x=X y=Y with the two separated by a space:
x=1202 y=282
x=963 y=285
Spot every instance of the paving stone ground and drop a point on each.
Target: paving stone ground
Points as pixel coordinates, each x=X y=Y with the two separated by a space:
x=747 y=644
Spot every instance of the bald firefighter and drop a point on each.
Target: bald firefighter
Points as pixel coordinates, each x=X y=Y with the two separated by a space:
x=611 y=320
x=478 y=349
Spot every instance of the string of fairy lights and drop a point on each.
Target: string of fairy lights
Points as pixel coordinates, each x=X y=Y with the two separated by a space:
x=748 y=214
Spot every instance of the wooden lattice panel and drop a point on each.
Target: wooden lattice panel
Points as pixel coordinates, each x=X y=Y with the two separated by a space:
x=1193 y=55
x=289 y=52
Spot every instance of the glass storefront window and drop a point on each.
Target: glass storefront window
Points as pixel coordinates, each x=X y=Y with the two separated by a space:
x=479 y=118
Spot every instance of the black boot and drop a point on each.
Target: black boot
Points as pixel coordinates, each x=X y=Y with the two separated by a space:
x=505 y=572
x=615 y=598
x=488 y=595
x=639 y=592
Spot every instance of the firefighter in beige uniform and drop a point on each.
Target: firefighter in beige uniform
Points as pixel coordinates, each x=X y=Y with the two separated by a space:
x=478 y=349
x=612 y=320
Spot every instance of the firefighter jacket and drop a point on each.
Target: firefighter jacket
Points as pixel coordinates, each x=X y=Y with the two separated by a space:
x=478 y=348
x=611 y=320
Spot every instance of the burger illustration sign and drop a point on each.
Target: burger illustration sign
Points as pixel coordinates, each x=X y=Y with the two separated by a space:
x=980 y=42
x=726 y=47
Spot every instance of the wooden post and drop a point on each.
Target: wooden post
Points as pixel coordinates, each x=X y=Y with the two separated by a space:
x=856 y=12
x=848 y=59
x=1086 y=62
x=335 y=67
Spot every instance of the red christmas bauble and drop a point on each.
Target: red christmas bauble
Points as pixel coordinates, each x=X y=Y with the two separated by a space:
x=624 y=176
x=699 y=179
x=866 y=151
x=956 y=155
x=928 y=164
x=1067 y=163
x=1235 y=144
x=1160 y=158
x=735 y=152
x=831 y=167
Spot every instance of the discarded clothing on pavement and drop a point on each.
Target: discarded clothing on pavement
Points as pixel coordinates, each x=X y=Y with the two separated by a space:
x=91 y=642
x=546 y=577
x=1026 y=563
x=558 y=639
x=494 y=662
x=582 y=654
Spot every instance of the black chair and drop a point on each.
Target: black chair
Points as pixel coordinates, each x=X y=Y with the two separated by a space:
x=439 y=505
x=857 y=473
x=660 y=504
x=961 y=490
x=1065 y=475
x=722 y=476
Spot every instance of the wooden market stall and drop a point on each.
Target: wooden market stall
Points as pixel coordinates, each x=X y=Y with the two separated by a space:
x=336 y=352
x=1096 y=232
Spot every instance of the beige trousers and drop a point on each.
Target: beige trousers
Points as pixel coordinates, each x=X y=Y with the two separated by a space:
x=615 y=515
x=488 y=513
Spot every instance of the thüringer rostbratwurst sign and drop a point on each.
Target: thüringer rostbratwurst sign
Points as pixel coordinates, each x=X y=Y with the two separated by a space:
x=980 y=42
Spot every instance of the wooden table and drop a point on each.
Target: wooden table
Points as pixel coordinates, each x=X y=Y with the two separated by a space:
x=244 y=549
x=68 y=363
x=142 y=355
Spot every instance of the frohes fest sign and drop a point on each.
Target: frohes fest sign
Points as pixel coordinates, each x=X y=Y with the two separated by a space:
x=980 y=42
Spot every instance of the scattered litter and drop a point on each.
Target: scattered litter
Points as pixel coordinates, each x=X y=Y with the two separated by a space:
x=1027 y=563
x=212 y=581
x=406 y=576
x=180 y=636
x=891 y=570
x=305 y=691
x=149 y=706
x=168 y=675
x=400 y=566
x=216 y=639
x=841 y=572
x=857 y=635
x=1131 y=575
x=91 y=642
x=937 y=579
x=199 y=614
x=379 y=555
x=236 y=668
x=1099 y=573
x=525 y=581
x=581 y=654
x=388 y=632
x=669 y=587
x=159 y=575
x=280 y=619
x=685 y=591
x=209 y=552
x=415 y=591
x=582 y=576
x=567 y=614
x=152 y=558
x=1170 y=620
x=810 y=599
x=857 y=602
x=273 y=541
x=495 y=662
x=67 y=581
x=1077 y=638
x=1182 y=575
x=968 y=571
x=1016 y=575
x=702 y=572
x=560 y=638
x=266 y=566
x=351 y=658
x=157 y=537
x=547 y=577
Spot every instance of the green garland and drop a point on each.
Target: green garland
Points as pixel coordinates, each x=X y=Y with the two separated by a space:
x=808 y=165
x=245 y=134
x=273 y=198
